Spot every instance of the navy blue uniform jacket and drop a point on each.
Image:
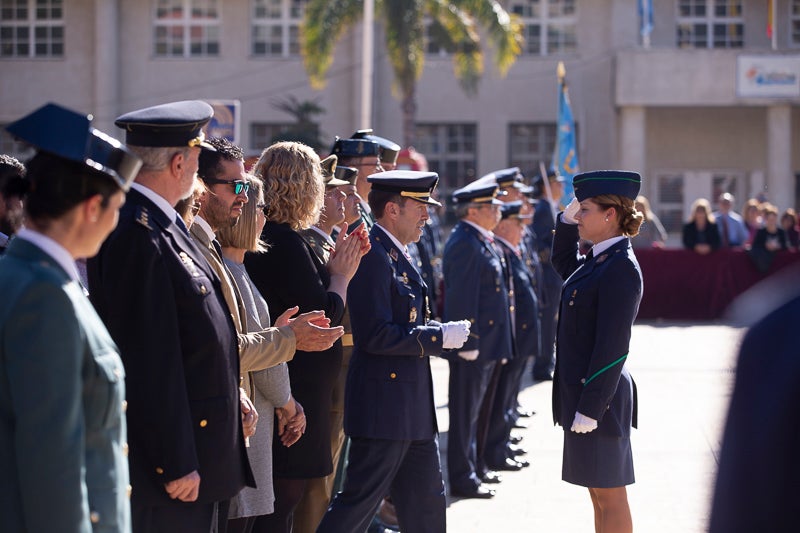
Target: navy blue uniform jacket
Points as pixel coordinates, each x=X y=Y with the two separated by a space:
x=389 y=392
x=475 y=290
x=163 y=305
x=599 y=301
x=526 y=304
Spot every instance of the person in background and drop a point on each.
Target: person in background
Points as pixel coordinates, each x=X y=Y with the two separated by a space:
x=732 y=231
x=752 y=219
x=290 y=274
x=790 y=227
x=268 y=388
x=13 y=188
x=652 y=233
x=62 y=423
x=594 y=396
x=363 y=155
x=768 y=240
x=700 y=233
x=188 y=207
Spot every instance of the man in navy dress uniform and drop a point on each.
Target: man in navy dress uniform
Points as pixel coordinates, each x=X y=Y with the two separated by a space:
x=475 y=290
x=363 y=155
x=163 y=305
x=543 y=227
x=389 y=411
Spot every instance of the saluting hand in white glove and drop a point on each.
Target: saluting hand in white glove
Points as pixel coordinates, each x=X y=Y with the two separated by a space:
x=583 y=424
x=570 y=211
x=454 y=334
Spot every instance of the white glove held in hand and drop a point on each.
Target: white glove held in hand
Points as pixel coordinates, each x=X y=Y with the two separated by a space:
x=570 y=211
x=583 y=424
x=454 y=334
x=469 y=355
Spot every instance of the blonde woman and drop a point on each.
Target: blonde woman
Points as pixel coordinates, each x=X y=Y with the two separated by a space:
x=700 y=232
x=269 y=389
x=290 y=274
x=652 y=233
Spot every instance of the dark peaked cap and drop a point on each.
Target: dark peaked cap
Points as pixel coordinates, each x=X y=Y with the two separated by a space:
x=68 y=134
x=355 y=147
x=599 y=182
x=389 y=150
x=478 y=192
x=413 y=184
x=173 y=124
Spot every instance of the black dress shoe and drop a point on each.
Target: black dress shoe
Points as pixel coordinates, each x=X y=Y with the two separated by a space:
x=480 y=492
x=510 y=465
x=543 y=377
x=520 y=424
x=522 y=462
x=514 y=451
x=515 y=439
x=524 y=413
x=491 y=477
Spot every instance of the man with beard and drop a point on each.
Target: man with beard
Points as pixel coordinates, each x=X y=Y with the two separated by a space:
x=13 y=187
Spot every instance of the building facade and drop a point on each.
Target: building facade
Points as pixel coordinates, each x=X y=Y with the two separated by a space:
x=682 y=109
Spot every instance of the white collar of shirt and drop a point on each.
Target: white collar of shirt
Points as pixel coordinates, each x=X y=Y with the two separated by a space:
x=394 y=240
x=53 y=249
x=602 y=246
x=515 y=248
x=483 y=231
x=365 y=207
x=203 y=225
x=324 y=235
x=157 y=199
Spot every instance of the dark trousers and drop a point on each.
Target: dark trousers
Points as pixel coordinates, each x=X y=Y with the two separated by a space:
x=469 y=381
x=545 y=362
x=486 y=420
x=180 y=516
x=502 y=417
x=409 y=471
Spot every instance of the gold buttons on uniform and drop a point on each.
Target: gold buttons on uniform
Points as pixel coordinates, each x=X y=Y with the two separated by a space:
x=159 y=470
x=203 y=289
x=94 y=516
x=433 y=338
x=393 y=375
x=203 y=423
x=583 y=380
x=511 y=308
x=491 y=322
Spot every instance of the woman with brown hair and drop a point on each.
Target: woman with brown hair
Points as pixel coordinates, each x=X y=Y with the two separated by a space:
x=700 y=233
x=594 y=397
x=291 y=274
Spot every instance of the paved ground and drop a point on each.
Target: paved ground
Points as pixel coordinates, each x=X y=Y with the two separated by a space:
x=684 y=373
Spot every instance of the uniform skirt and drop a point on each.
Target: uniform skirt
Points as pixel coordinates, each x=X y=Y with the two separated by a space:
x=597 y=461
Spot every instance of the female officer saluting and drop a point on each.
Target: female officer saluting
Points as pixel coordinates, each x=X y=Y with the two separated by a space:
x=594 y=397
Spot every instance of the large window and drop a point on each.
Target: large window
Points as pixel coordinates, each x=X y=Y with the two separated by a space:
x=794 y=16
x=548 y=25
x=31 y=28
x=451 y=152
x=263 y=134
x=530 y=144
x=276 y=27
x=186 y=28
x=710 y=24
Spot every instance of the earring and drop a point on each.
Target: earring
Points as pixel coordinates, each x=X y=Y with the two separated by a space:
x=606 y=219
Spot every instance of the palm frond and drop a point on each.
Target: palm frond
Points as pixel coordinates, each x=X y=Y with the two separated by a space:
x=325 y=22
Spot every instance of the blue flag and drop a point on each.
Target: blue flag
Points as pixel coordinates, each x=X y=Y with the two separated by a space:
x=565 y=156
x=646 y=21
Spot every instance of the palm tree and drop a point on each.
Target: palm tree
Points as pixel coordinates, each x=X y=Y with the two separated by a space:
x=454 y=27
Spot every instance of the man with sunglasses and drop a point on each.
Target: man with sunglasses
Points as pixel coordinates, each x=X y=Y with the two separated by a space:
x=222 y=171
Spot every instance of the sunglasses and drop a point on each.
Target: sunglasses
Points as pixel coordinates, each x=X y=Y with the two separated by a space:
x=239 y=186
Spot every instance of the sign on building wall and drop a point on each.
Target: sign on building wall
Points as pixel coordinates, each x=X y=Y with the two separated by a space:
x=768 y=76
x=226 y=121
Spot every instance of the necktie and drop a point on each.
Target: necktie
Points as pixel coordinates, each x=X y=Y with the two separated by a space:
x=179 y=222
x=589 y=256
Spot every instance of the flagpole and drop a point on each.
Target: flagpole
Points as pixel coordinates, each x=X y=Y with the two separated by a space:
x=773 y=6
x=367 y=47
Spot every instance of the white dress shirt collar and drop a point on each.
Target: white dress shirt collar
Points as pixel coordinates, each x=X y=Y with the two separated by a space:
x=59 y=254
x=157 y=199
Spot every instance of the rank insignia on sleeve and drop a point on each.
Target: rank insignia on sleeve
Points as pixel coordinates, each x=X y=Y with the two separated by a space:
x=602 y=258
x=143 y=217
x=405 y=278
